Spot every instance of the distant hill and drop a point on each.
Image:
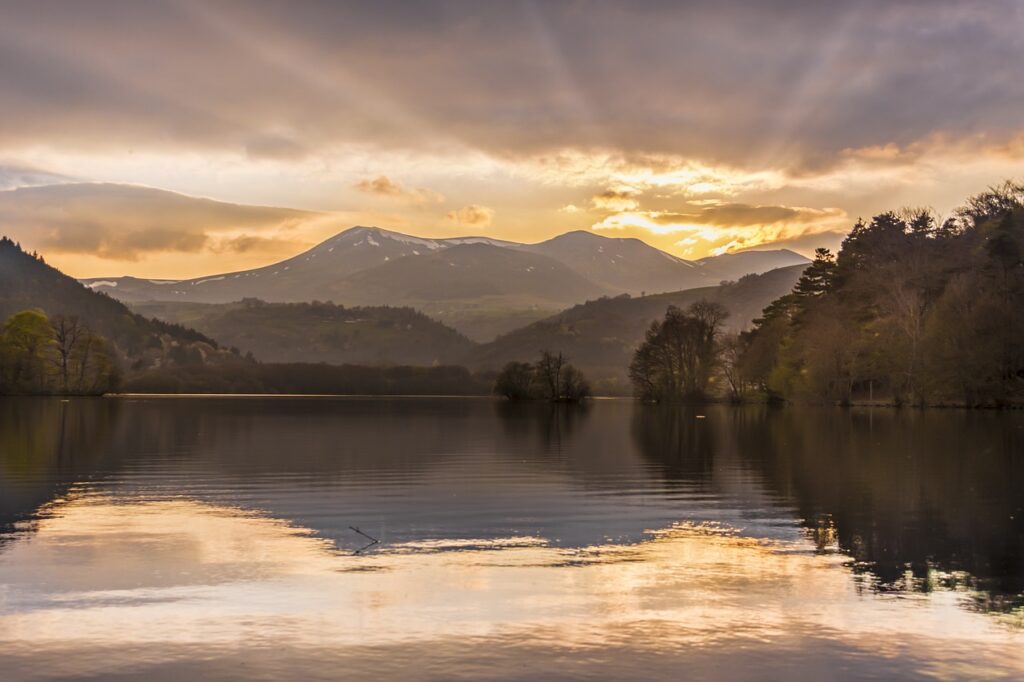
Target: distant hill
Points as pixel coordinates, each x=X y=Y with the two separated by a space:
x=321 y=332
x=27 y=282
x=732 y=266
x=623 y=265
x=600 y=336
x=480 y=286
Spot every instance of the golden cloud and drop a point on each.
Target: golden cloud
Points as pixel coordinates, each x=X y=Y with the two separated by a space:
x=383 y=186
x=718 y=229
x=472 y=216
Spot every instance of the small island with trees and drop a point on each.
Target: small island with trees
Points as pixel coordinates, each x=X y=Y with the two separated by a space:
x=551 y=378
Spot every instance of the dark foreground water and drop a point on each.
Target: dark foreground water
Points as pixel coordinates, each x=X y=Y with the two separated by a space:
x=191 y=538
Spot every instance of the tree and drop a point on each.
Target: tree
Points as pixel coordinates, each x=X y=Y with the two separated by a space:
x=516 y=381
x=27 y=341
x=68 y=333
x=37 y=356
x=549 y=372
x=732 y=346
x=551 y=378
x=573 y=386
x=680 y=354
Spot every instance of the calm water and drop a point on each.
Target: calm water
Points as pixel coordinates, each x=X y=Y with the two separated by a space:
x=191 y=537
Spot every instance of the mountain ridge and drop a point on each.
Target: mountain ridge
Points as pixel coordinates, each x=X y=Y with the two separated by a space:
x=472 y=283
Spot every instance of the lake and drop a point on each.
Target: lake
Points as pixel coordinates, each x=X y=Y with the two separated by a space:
x=172 y=538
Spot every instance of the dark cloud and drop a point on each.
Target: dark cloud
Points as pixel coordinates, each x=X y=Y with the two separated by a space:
x=743 y=215
x=126 y=222
x=614 y=200
x=767 y=83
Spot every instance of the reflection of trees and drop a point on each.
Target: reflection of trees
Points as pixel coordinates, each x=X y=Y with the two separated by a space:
x=919 y=499
x=675 y=439
x=551 y=425
x=911 y=495
x=47 y=444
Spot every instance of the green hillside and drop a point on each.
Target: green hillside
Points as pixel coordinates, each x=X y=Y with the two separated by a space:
x=321 y=332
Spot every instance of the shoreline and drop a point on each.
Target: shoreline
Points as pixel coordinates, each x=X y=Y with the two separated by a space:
x=477 y=396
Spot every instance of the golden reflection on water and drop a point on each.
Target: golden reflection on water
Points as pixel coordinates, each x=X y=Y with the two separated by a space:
x=101 y=585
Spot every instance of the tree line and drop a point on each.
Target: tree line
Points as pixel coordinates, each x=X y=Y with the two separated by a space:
x=60 y=355
x=912 y=310
x=239 y=375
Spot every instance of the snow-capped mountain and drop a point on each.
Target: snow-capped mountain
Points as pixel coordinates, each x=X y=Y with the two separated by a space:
x=373 y=266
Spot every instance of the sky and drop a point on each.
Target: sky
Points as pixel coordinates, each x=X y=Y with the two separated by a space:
x=179 y=138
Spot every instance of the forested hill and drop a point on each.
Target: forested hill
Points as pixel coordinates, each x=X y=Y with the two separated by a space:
x=321 y=332
x=909 y=311
x=600 y=336
x=27 y=282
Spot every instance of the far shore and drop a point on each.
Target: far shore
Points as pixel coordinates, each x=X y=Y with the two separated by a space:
x=859 y=404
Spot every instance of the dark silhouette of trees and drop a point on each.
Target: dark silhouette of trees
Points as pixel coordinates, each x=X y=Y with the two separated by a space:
x=680 y=354
x=910 y=311
x=550 y=378
x=516 y=381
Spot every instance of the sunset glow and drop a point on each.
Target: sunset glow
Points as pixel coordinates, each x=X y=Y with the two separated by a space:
x=254 y=106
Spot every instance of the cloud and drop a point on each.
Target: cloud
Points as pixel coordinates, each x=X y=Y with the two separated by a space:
x=741 y=215
x=250 y=243
x=863 y=104
x=276 y=84
x=275 y=147
x=13 y=176
x=471 y=216
x=383 y=186
x=124 y=222
x=614 y=200
x=730 y=227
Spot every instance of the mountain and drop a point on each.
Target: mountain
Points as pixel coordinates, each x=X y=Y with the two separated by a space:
x=26 y=282
x=321 y=332
x=732 y=266
x=599 y=337
x=480 y=286
x=622 y=265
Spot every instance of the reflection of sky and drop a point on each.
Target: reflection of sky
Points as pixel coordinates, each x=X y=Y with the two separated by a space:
x=211 y=538
x=404 y=472
x=120 y=584
x=478 y=495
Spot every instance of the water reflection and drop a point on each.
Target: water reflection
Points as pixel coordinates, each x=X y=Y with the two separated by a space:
x=165 y=587
x=212 y=537
x=914 y=497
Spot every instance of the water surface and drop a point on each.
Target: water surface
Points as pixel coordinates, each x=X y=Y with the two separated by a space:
x=171 y=537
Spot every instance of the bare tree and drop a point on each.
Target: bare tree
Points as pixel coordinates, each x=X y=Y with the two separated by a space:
x=68 y=333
